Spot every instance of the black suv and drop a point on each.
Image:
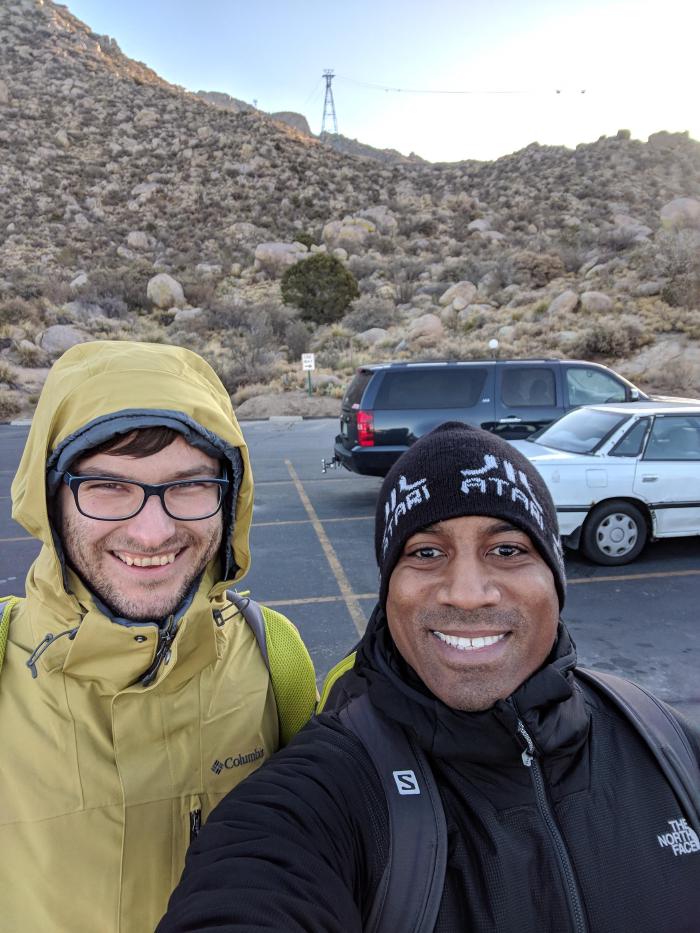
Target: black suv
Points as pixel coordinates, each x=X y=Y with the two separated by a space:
x=389 y=405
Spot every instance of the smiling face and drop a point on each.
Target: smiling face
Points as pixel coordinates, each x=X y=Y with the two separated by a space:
x=142 y=567
x=472 y=607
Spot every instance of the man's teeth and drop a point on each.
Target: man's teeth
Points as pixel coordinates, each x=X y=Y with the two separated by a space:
x=159 y=560
x=469 y=644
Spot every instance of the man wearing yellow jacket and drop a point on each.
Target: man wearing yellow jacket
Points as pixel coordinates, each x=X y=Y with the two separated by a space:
x=133 y=694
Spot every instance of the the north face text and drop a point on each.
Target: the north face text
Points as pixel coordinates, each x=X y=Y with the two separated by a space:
x=681 y=839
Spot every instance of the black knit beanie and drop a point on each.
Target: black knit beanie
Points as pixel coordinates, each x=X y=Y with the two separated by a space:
x=458 y=470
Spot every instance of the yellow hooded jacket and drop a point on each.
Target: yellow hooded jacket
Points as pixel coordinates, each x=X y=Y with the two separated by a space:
x=104 y=779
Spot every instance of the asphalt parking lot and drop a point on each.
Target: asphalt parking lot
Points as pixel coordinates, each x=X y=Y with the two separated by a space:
x=313 y=559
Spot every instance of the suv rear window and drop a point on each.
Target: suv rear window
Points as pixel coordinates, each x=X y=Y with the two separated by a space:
x=430 y=388
x=356 y=389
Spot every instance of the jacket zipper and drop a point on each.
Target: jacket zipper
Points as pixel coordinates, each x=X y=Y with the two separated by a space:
x=166 y=636
x=195 y=824
x=573 y=895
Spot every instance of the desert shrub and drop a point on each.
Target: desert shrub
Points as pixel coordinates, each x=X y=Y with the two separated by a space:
x=118 y=290
x=297 y=337
x=531 y=269
x=363 y=266
x=405 y=275
x=366 y=312
x=7 y=375
x=680 y=260
x=30 y=355
x=18 y=311
x=607 y=339
x=10 y=404
x=321 y=287
x=303 y=236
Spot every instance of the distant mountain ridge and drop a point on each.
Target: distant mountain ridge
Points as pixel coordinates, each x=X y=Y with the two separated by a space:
x=299 y=122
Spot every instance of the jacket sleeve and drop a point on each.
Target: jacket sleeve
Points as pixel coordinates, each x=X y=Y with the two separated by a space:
x=298 y=847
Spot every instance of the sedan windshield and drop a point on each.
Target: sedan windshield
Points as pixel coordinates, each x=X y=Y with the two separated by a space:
x=581 y=431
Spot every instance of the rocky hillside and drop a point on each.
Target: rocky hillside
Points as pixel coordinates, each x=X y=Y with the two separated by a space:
x=110 y=177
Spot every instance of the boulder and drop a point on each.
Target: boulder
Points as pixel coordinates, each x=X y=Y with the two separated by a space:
x=147 y=118
x=681 y=213
x=61 y=337
x=479 y=226
x=647 y=289
x=595 y=301
x=139 y=239
x=462 y=293
x=80 y=280
x=564 y=303
x=427 y=325
x=372 y=336
x=208 y=269
x=274 y=258
x=165 y=291
x=382 y=218
x=182 y=315
x=351 y=233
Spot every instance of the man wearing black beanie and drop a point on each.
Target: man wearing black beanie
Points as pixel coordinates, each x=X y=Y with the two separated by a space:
x=465 y=774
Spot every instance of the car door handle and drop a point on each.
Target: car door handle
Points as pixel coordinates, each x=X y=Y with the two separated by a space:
x=509 y=420
x=649 y=479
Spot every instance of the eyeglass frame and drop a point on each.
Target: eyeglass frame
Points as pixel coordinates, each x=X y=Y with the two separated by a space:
x=74 y=483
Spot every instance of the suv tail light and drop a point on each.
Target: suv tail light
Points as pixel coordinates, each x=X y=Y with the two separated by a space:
x=365 y=428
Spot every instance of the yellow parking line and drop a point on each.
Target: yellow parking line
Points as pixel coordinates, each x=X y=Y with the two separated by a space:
x=20 y=538
x=314 y=599
x=307 y=521
x=623 y=577
x=287 y=482
x=349 y=598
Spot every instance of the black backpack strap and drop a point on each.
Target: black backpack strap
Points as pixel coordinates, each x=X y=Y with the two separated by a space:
x=657 y=725
x=410 y=892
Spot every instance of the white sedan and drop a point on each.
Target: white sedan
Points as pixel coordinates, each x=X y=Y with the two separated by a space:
x=621 y=475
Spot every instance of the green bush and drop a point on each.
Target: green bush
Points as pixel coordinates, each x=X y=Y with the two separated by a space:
x=320 y=286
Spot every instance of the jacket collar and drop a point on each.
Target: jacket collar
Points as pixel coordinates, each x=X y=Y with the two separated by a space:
x=86 y=644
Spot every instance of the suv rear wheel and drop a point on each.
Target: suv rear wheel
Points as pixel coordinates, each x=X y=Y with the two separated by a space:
x=615 y=533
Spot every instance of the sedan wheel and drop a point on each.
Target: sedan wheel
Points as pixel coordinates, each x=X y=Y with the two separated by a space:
x=615 y=533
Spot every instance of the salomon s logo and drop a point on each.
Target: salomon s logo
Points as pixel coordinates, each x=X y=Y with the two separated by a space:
x=406 y=782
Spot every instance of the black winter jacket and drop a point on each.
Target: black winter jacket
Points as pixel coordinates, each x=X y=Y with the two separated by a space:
x=300 y=846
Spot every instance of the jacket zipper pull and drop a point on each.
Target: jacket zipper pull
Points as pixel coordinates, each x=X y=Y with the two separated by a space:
x=166 y=636
x=528 y=753
x=195 y=824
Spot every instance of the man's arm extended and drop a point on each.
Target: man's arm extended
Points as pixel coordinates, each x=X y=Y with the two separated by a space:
x=298 y=847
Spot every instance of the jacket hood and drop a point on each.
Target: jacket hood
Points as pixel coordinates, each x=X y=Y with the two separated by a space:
x=548 y=703
x=99 y=390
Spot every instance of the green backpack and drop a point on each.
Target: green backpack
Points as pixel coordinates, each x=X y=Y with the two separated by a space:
x=286 y=657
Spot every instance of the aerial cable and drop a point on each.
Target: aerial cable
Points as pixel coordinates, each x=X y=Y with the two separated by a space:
x=405 y=90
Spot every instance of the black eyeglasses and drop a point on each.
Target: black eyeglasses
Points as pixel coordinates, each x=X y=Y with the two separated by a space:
x=110 y=499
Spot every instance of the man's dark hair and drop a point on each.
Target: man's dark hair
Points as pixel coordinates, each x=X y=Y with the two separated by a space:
x=143 y=442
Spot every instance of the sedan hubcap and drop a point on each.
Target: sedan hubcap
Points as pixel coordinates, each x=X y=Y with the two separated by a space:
x=616 y=535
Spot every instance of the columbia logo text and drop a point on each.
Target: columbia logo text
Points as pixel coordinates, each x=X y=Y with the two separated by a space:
x=406 y=782
x=236 y=761
x=681 y=839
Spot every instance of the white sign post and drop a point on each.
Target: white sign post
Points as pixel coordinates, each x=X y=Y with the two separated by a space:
x=308 y=364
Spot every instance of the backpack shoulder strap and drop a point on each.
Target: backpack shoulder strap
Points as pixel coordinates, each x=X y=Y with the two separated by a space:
x=334 y=683
x=410 y=892
x=9 y=604
x=291 y=669
x=662 y=732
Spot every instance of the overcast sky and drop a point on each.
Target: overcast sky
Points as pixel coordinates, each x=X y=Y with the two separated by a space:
x=617 y=64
